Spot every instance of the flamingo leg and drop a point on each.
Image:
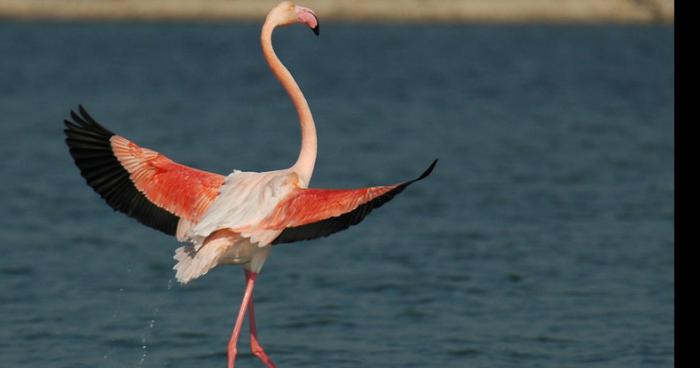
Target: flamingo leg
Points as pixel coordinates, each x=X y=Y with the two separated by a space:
x=232 y=351
x=255 y=346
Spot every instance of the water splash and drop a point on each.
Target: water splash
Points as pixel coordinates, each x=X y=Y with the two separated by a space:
x=148 y=329
x=144 y=338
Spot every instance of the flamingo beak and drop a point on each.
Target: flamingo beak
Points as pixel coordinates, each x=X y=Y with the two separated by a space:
x=308 y=17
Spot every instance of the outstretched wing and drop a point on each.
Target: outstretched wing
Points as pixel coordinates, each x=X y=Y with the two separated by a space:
x=314 y=213
x=137 y=181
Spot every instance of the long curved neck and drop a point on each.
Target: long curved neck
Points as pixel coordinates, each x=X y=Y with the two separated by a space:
x=304 y=166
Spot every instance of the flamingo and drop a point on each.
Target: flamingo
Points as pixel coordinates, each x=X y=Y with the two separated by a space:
x=227 y=220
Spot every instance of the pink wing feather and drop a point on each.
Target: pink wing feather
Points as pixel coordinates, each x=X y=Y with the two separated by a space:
x=305 y=206
x=181 y=190
x=138 y=181
x=313 y=213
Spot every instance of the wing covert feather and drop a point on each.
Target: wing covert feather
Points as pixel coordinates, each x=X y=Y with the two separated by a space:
x=313 y=213
x=138 y=181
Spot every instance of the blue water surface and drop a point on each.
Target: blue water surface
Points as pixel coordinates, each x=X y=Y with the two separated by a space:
x=544 y=238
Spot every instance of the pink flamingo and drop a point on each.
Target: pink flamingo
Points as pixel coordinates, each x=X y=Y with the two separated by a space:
x=232 y=219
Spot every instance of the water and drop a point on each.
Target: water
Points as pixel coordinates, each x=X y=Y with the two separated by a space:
x=544 y=238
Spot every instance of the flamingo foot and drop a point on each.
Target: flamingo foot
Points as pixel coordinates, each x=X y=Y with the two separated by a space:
x=259 y=352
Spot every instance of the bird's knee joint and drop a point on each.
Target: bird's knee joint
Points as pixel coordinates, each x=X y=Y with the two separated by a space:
x=232 y=350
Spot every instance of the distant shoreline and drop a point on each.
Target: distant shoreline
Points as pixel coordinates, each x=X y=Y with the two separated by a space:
x=466 y=11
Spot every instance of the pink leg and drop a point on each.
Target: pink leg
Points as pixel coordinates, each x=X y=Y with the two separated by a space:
x=232 y=351
x=255 y=346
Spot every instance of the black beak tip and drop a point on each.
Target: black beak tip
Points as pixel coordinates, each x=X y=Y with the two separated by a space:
x=316 y=29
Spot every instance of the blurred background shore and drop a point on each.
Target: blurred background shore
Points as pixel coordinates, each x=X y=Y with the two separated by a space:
x=500 y=11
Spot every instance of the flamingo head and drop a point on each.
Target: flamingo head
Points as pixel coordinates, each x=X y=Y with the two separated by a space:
x=287 y=13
